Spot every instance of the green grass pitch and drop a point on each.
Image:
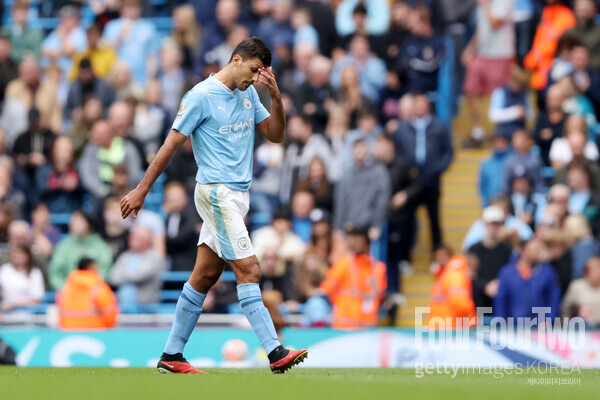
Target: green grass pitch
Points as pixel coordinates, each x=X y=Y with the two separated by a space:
x=301 y=383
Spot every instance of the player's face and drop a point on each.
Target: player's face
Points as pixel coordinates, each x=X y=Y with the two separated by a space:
x=246 y=72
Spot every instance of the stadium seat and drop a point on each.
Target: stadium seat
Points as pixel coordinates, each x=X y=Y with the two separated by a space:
x=445 y=98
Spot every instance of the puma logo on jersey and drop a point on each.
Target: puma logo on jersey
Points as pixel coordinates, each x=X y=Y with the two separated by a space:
x=221 y=108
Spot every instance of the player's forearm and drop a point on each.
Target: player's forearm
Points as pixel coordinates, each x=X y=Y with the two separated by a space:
x=277 y=121
x=161 y=160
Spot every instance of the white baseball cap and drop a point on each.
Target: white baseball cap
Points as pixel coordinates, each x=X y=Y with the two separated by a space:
x=493 y=214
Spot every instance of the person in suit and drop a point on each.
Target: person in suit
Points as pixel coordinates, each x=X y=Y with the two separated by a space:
x=426 y=145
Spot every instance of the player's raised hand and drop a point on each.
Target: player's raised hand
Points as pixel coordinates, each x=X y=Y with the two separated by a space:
x=132 y=203
x=266 y=77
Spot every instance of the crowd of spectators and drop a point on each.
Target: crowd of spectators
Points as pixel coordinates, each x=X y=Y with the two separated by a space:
x=85 y=106
x=536 y=244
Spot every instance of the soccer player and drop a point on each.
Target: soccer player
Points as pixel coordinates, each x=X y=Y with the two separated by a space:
x=219 y=115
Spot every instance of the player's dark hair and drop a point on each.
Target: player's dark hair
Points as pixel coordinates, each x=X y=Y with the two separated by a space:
x=253 y=48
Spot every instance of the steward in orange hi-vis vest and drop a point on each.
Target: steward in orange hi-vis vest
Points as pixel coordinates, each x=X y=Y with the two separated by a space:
x=452 y=295
x=86 y=301
x=355 y=285
x=556 y=19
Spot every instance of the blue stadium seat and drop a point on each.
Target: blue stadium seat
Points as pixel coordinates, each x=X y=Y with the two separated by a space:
x=445 y=98
x=258 y=220
x=60 y=219
x=49 y=297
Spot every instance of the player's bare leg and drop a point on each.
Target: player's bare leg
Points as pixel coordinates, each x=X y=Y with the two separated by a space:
x=247 y=272
x=207 y=270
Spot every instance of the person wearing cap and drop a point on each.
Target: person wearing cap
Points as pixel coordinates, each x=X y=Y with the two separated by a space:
x=477 y=230
x=532 y=163
x=87 y=84
x=355 y=284
x=101 y=55
x=64 y=41
x=81 y=241
x=135 y=40
x=492 y=253
x=490 y=181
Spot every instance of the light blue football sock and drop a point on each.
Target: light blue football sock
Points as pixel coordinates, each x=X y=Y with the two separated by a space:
x=258 y=315
x=187 y=311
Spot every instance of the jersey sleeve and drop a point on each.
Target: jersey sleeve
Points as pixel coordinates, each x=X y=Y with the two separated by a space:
x=260 y=112
x=190 y=114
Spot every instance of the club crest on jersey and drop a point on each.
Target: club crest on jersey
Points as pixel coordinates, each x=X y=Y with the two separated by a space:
x=244 y=243
x=247 y=103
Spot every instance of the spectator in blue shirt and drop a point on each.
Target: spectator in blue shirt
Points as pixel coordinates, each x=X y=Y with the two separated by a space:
x=527 y=282
x=278 y=25
x=303 y=203
x=490 y=181
x=135 y=41
x=371 y=70
x=305 y=32
x=68 y=38
x=378 y=16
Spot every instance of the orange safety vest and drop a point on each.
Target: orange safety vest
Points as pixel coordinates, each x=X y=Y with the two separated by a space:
x=86 y=302
x=452 y=294
x=555 y=21
x=355 y=286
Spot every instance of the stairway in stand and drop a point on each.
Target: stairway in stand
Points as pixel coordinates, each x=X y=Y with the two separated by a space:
x=460 y=207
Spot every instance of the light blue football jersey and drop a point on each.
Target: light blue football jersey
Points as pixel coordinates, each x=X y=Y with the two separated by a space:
x=221 y=123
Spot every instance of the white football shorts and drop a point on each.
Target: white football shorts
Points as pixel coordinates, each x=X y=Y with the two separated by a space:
x=223 y=211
